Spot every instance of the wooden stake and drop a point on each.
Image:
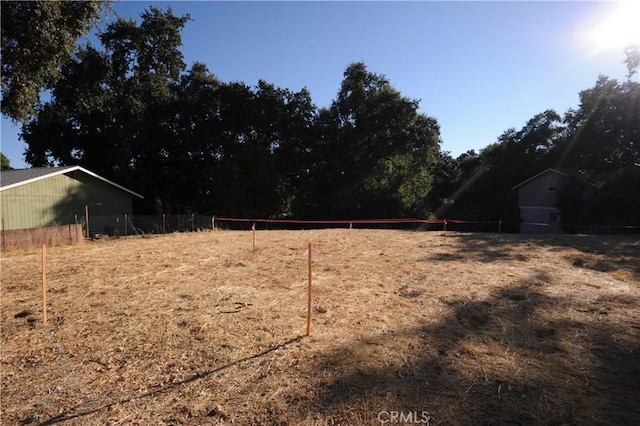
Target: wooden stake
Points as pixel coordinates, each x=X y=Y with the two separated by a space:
x=253 y=229
x=44 y=284
x=309 y=292
x=499 y=228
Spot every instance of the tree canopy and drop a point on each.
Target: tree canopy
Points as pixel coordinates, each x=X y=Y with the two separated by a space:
x=377 y=150
x=5 y=163
x=135 y=114
x=132 y=111
x=38 y=38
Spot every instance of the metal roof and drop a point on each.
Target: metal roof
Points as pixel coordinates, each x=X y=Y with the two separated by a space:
x=12 y=178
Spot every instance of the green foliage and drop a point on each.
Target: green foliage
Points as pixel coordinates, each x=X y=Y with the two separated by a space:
x=262 y=131
x=618 y=200
x=131 y=111
x=377 y=150
x=4 y=162
x=615 y=202
x=483 y=188
x=38 y=38
x=184 y=139
x=632 y=59
x=111 y=110
x=604 y=132
x=573 y=201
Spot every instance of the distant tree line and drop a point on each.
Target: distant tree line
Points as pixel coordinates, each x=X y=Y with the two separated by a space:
x=132 y=111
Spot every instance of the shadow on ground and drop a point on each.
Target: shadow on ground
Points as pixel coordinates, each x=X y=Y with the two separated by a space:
x=584 y=251
x=80 y=412
x=514 y=358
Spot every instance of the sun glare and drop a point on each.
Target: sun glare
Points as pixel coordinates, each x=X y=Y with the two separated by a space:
x=620 y=29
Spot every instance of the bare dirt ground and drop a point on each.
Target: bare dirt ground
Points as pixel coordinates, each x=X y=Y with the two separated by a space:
x=198 y=328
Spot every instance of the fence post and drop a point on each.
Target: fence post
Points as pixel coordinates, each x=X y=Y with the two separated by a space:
x=164 y=223
x=125 y=225
x=213 y=222
x=193 y=220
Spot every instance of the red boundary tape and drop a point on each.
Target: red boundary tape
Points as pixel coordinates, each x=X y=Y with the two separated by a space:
x=354 y=221
x=498 y=223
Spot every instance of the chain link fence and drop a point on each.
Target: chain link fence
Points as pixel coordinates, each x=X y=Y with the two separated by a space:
x=96 y=226
x=124 y=225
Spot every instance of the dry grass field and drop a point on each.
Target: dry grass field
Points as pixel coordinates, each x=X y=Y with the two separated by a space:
x=198 y=328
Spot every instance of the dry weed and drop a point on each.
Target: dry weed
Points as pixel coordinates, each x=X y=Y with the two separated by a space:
x=200 y=329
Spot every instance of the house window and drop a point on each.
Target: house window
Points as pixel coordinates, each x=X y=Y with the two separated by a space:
x=553 y=189
x=553 y=217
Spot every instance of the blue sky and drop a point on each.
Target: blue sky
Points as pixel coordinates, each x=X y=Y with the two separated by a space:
x=479 y=68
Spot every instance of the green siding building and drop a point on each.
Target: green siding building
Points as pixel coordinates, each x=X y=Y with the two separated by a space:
x=46 y=196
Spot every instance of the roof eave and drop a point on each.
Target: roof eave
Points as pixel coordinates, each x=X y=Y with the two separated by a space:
x=551 y=169
x=67 y=170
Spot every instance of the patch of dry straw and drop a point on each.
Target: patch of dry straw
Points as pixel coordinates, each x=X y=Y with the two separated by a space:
x=200 y=329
